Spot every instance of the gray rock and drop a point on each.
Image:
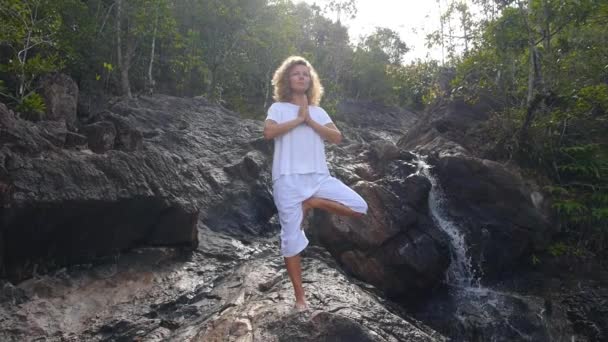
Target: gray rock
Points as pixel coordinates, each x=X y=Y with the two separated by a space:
x=100 y=136
x=495 y=208
x=60 y=94
x=75 y=140
x=491 y=202
x=7 y=117
x=128 y=137
x=160 y=294
x=255 y=304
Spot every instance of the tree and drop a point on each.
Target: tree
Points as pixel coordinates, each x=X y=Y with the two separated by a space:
x=547 y=59
x=339 y=7
x=28 y=30
x=124 y=58
x=387 y=41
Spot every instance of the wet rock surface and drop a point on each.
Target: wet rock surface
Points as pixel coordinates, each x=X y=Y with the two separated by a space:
x=242 y=294
x=163 y=166
x=504 y=218
x=151 y=167
x=504 y=221
x=396 y=247
x=82 y=230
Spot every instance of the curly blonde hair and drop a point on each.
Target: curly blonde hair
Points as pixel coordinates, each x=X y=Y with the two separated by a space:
x=280 y=81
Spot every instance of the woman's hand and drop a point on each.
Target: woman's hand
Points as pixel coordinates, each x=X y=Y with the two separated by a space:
x=304 y=114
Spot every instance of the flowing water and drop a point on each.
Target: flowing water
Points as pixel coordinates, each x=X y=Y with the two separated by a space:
x=466 y=310
x=460 y=274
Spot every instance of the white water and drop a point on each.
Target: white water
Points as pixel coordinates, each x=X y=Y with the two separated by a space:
x=476 y=306
x=460 y=274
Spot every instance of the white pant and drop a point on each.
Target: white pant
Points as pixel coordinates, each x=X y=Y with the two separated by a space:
x=289 y=191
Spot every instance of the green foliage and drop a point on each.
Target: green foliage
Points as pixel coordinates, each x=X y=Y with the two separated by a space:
x=566 y=142
x=592 y=100
x=535 y=260
x=583 y=198
x=32 y=107
x=189 y=68
x=414 y=85
x=388 y=42
x=561 y=248
x=108 y=67
x=27 y=31
x=226 y=50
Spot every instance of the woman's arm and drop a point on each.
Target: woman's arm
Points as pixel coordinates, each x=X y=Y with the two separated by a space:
x=272 y=129
x=328 y=132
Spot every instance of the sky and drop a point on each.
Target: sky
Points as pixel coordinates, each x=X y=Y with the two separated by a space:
x=412 y=19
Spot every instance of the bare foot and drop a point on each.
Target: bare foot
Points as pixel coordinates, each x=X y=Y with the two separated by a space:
x=300 y=306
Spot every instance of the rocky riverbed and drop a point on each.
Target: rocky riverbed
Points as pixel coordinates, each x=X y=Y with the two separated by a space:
x=153 y=220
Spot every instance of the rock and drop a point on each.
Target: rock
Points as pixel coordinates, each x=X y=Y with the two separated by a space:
x=7 y=117
x=54 y=132
x=202 y=297
x=375 y=121
x=384 y=151
x=182 y=172
x=250 y=167
x=493 y=205
x=396 y=247
x=60 y=94
x=449 y=128
x=484 y=315
x=502 y=224
x=2 y=191
x=128 y=138
x=11 y=295
x=75 y=140
x=68 y=206
x=201 y=158
x=100 y=136
x=340 y=311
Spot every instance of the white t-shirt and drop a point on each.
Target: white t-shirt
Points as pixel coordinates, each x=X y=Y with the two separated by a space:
x=301 y=150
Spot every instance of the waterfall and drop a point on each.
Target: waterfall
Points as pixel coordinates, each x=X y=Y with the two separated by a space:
x=476 y=312
x=460 y=273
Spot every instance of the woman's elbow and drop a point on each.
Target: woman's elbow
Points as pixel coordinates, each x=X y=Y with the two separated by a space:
x=267 y=134
x=337 y=138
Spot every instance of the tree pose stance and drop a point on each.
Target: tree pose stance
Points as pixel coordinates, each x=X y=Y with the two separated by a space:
x=300 y=176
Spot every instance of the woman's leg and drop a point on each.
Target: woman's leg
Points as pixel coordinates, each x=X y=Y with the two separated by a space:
x=337 y=198
x=294 y=270
x=328 y=205
x=288 y=199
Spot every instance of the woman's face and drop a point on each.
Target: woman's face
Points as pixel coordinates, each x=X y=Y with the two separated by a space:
x=299 y=79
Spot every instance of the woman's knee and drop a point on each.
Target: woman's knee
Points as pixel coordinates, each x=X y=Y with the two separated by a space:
x=362 y=206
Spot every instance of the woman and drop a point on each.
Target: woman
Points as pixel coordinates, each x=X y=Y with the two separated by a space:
x=300 y=177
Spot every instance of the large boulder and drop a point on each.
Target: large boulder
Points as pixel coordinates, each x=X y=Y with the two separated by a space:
x=100 y=136
x=60 y=94
x=172 y=165
x=496 y=209
x=368 y=121
x=502 y=216
x=396 y=247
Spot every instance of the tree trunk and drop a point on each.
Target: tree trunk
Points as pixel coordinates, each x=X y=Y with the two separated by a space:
x=267 y=85
x=546 y=42
x=122 y=63
x=151 y=82
x=442 y=38
x=535 y=98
